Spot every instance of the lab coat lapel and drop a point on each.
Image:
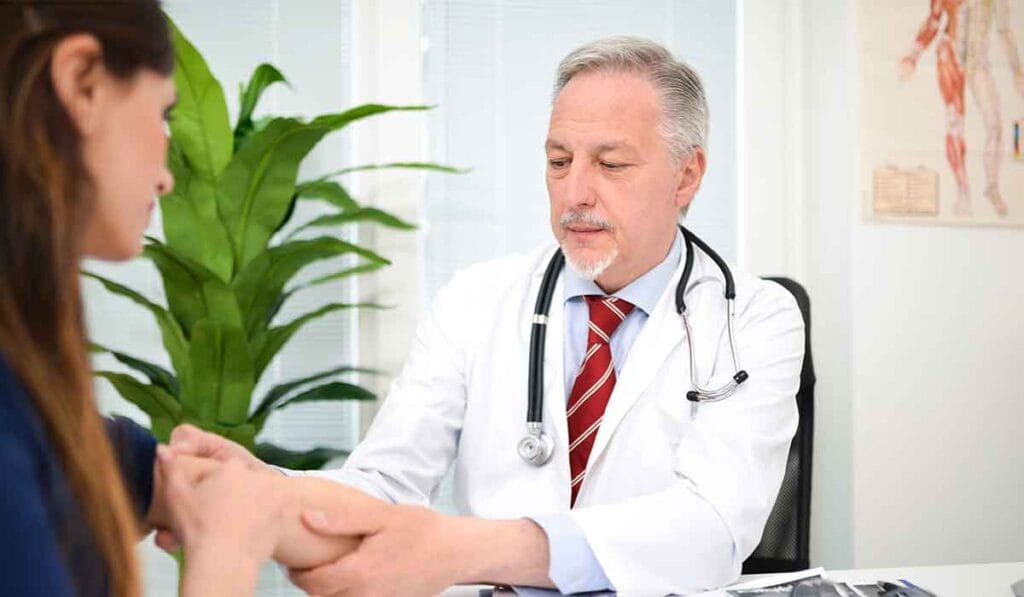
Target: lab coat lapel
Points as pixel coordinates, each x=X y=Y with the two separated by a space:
x=661 y=334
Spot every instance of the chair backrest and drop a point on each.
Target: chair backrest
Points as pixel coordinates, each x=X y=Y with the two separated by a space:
x=785 y=544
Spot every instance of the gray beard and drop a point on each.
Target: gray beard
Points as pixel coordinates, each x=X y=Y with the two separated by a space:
x=591 y=271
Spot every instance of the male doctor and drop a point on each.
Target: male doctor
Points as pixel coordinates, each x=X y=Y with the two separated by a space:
x=643 y=494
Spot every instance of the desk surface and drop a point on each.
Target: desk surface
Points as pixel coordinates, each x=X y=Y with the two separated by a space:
x=968 y=580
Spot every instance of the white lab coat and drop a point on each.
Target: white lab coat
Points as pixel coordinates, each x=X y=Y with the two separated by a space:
x=672 y=503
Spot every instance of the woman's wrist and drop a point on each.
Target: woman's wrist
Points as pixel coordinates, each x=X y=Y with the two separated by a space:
x=219 y=568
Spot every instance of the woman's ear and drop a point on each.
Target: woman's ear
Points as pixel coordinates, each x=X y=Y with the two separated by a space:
x=76 y=71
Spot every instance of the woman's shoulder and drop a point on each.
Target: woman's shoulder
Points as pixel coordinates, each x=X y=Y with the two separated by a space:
x=33 y=501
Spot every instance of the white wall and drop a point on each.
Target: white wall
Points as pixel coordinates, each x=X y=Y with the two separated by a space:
x=917 y=330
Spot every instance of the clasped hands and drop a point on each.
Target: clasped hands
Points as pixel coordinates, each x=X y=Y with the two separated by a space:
x=212 y=496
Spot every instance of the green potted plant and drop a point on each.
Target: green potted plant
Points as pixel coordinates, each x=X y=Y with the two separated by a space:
x=225 y=269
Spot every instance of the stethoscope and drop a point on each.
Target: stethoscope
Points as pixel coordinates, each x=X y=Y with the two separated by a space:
x=536 y=447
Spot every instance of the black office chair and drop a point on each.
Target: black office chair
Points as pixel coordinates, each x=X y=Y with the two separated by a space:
x=785 y=544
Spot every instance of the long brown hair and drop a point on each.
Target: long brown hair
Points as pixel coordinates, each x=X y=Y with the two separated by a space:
x=44 y=201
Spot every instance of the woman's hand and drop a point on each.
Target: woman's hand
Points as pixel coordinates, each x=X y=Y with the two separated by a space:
x=194 y=447
x=229 y=519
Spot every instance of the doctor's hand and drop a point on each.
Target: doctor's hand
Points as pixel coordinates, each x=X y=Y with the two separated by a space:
x=406 y=550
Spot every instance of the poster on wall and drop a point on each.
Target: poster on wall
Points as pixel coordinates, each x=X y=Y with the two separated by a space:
x=942 y=111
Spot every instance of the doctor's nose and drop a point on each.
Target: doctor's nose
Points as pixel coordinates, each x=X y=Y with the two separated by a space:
x=579 y=188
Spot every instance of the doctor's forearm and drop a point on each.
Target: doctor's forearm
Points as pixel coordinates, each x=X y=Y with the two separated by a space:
x=512 y=552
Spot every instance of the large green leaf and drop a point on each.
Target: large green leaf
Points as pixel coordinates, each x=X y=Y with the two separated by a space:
x=171 y=333
x=361 y=214
x=161 y=428
x=152 y=400
x=360 y=112
x=258 y=185
x=199 y=121
x=267 y=344
x=281 y=391
x=350 y=271
x=193 y=292
x=264 y=76
x=156 y=374
x=390 y=166
x=259 y=286
x=329 y=191
x=331 y=391
x=223 y=377
x=297 y=460
x=191 y=221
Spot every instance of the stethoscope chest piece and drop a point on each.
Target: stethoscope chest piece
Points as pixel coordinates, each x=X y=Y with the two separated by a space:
x=536 y=447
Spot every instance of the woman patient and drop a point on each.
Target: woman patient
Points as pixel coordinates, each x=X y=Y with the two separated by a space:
x=84 y=92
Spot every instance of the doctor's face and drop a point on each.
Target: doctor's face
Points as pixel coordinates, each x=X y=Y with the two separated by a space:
x=615 y=190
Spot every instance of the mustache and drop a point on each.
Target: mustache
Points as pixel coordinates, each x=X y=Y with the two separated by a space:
x=587 y=218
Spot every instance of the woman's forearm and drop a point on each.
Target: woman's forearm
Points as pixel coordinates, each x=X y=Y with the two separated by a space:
x=299 y=547
x=218 y=572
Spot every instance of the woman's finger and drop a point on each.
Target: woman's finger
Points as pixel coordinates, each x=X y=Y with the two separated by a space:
x=180 y=499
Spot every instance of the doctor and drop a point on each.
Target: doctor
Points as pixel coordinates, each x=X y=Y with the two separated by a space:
x=644 y=492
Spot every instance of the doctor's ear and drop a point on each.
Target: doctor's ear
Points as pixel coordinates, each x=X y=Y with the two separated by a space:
x=79 y=79
x=691 y=172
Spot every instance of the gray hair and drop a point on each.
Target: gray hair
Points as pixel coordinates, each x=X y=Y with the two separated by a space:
x=684 y=108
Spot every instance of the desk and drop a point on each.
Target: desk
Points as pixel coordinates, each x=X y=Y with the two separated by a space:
x=968 y=580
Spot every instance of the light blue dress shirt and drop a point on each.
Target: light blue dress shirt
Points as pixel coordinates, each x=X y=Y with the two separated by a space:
x=574 y=567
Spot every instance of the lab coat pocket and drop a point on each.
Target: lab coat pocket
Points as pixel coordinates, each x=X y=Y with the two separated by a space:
x=668 y=395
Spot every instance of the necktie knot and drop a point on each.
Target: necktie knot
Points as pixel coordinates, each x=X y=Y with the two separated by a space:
x=606 y=313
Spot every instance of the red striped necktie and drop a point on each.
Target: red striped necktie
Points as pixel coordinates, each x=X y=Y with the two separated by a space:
x=594 y=384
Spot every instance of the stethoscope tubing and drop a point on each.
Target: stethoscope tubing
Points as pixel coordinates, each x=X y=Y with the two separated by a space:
x=536 y=447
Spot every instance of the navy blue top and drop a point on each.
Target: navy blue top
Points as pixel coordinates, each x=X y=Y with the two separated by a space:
x=46 y=546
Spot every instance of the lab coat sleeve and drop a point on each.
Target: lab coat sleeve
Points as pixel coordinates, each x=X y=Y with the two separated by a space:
x=413 y=439
x=729 y=465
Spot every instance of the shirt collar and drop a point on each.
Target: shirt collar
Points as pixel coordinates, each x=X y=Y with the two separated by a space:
x=643 y=292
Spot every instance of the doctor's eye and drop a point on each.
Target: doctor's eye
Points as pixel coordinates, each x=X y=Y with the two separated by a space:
x=558 y=164
x=612 y=166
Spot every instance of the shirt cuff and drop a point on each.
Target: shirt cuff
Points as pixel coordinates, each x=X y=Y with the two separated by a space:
x=574 y=567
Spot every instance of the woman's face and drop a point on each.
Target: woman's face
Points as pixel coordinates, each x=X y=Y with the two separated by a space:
x=125 y=153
